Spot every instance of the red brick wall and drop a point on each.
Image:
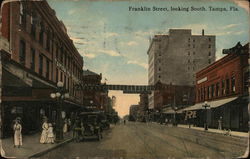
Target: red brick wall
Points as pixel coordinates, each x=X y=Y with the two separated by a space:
x=6 y=21
x=223 y=69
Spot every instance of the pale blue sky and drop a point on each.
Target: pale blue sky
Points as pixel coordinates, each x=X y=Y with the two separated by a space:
x=114 y=41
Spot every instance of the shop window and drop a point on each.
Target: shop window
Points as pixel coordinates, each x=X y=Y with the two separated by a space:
x=22 y=53
x=233 y=84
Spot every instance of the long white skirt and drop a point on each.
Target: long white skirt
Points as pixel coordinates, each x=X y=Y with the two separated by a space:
x=44 y=137
x=18 y=138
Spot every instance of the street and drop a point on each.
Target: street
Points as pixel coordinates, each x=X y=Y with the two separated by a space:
x=151 y=141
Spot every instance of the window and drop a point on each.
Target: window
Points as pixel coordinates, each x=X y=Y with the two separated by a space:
x=159 y=69
x=188 y=61
x=41 y=34
x=22 y=15
x=188 y=39
x=33 y=25
x=188 y=45
x=227 y=86
x=47 y=68
x=193 y=40
x=48 y=41
x=209 y=46
x=193 y=53
x=22 y=52
x=223 y=87
x=56 y=75
x=212 y=91
x=209 y=54
x=246 y=80
x=40 y=64
x=193 y=46
x=208 y=92
x=217 y=89
x=209 y=61
x=188 y=53
x=61 y=55
x=32 y=59
x=61 y=77
x=233 y=84
x=209 y=39
x=159 y=76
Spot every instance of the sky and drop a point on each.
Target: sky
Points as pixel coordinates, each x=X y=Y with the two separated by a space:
x=114 y=41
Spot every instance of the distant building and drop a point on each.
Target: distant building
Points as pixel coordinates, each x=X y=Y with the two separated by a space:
x=174 y=96
x=175 y=58
x=224 y=85
x=133 y=112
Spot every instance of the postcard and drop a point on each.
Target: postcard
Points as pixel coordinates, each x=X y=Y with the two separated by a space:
x=124 y=79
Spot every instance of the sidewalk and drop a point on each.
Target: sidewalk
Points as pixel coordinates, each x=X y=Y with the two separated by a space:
x=233 y=133
x=31 y=146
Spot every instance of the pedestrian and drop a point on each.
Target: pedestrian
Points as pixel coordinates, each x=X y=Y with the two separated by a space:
x=65 y=126
x=44 y=134
x=50 y=138
x=220 y=123
x=69 y=124
x=124 y=122
x=17 y=133
x=82 y=130
x=166 y=121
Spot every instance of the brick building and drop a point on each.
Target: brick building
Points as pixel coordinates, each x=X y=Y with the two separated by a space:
x=224 y=85
x=93 y=97
x=40 y=54
x=176 y=57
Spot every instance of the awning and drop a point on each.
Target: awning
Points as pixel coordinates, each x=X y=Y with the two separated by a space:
x=213 y=104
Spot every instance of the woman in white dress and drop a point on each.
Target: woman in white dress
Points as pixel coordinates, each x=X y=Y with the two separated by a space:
x=44 y=134
x=65 y=126
x=17 y=134
x=50 y=138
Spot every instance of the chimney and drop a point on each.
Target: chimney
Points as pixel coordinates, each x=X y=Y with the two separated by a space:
x=202 y=32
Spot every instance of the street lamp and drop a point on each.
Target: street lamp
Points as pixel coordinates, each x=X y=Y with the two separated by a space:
x=175 y=109
x=60 y=95
x=206 y=106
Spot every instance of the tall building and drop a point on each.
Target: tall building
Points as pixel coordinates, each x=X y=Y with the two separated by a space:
x=40 y=54
x=224 y=86
x=175 y=58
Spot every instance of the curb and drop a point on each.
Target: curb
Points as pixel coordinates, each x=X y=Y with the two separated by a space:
x=36 y=155
x=215 y=132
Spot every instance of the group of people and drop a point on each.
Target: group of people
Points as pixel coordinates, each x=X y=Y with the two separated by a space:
x=47 y=135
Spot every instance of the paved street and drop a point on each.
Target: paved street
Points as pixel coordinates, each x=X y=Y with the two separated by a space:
x=151 y=141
